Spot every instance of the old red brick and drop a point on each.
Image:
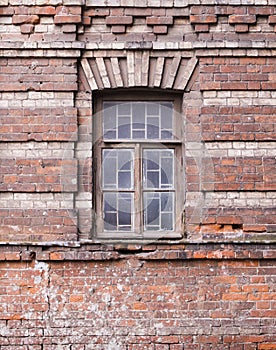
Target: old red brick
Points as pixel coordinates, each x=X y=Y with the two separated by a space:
x=44 y=10
x=241 y=28
x=158 y=29
x=27 y=28
x=202 y=28
x=23 y=19
x=61 y=19
x=242 y=19
x=203 y=19
x=119 y=20
x=272 y=19
x=118 y=29
x=159 y=20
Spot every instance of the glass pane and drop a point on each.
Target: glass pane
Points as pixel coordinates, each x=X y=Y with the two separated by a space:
x=138 y=115
x=166 y=134
x=166 y=202
x=166 y=221
x=138 y=134
x=158 y=168
x=151 y=211
x=125 y=211
x=166 y=172
x=124 y=108
x=117 y=168
x=110 y=202
x=109 y=121
x=153 y=128
x=110 y=211
x=124 y=179
x=153 y=108
x=152 y=159
x=138 y=120
x=118 y=209
x=152 y=180
x=166 y=116
x=124 y=159
x=159 y=211
x=109 y=169
x=124 y=128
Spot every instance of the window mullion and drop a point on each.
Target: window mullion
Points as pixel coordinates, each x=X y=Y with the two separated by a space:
x=138 y=220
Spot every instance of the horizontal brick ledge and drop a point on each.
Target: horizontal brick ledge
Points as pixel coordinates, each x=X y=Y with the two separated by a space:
x=74 y=251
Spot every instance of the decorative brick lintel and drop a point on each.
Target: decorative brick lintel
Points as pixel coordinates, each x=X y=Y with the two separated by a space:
x=96 y=252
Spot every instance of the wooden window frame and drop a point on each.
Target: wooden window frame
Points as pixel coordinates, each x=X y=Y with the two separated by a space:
x=138 y=145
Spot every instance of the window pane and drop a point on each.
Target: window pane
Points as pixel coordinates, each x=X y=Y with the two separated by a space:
x=125 y=211
x=166 y=172
x=124 y=108
x=118 y=209
x=153 y=128
x=151 y=211
x=158 y=168
x=109 y=121
x=110 y=211
x=109 y=169
x=138 y=115
x=138 y=134
x=152 y=180
x=124 y=128
x=158 y=211
x=166 y=221
x=166 y=116
x=137 y=120
x=117 y=168
x=153 y=108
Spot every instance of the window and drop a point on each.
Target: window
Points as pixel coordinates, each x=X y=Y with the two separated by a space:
x=138 y=167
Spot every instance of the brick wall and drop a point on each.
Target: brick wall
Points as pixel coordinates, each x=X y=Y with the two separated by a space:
x=60 y=287
x=147 y=302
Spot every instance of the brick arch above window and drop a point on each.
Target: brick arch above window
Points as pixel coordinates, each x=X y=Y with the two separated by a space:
x=138 y=69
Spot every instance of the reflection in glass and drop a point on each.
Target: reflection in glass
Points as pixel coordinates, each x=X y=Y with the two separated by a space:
x=137 y=120
x=158 y=211
x=117 y=168
x=158 y=168
x=117 y=211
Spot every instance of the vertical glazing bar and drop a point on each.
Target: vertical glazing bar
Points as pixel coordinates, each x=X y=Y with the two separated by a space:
x=117 y=121
x=137 y=194
x=131 y=120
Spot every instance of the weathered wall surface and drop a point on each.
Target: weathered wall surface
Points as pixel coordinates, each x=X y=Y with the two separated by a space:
x=60 y=288
x=139 y=303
